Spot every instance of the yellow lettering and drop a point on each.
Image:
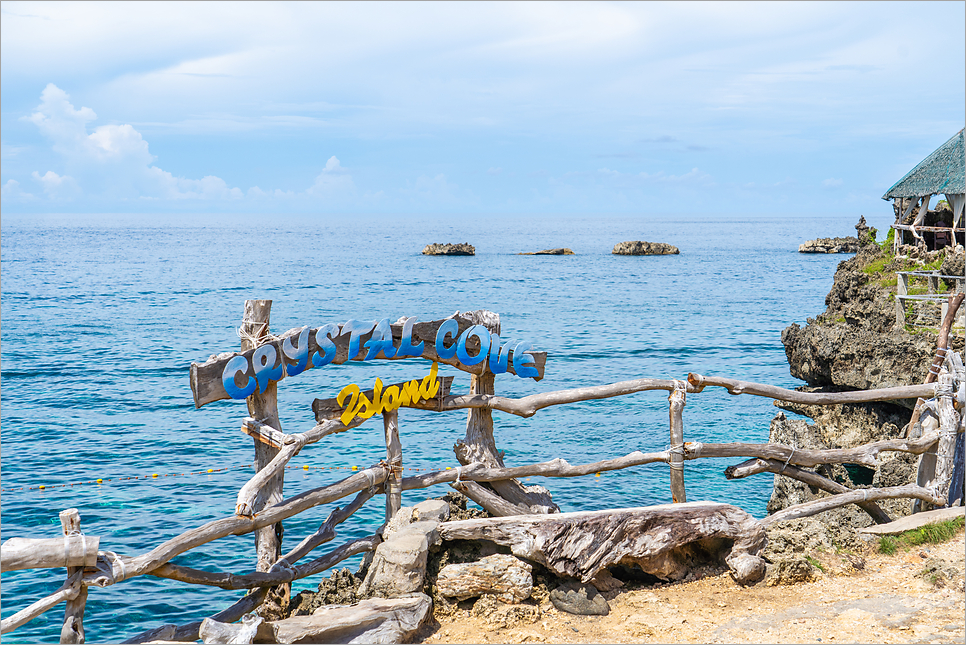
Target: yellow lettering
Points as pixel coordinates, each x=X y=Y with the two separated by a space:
x=430 y=386
x=390 y=399
x=410 y=393
x=350 y=410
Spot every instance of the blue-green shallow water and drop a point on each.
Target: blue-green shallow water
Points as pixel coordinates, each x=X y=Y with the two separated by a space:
x=101 y=317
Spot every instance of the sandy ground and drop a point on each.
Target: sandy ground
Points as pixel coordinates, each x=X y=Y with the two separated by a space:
x=870 y=599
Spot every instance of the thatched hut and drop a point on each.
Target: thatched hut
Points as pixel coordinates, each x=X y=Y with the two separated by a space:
x=940 y=172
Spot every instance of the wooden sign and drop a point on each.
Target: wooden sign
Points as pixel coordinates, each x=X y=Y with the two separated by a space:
x=422 y=394
x=455 y=341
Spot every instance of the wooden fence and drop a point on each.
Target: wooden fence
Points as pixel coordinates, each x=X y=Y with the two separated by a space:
x=483 y=476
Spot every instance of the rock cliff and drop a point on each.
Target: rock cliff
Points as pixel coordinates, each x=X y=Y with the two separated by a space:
x=856 y=344
x=644 y=248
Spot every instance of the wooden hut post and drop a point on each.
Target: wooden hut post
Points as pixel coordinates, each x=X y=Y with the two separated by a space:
x=73 y=629
x=393 y=484
x=263 y=406
x=676 y=400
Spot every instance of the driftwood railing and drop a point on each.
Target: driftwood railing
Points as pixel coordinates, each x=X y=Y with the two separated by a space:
x=482 y=476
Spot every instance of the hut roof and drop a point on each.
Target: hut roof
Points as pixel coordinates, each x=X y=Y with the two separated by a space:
x=940 y=172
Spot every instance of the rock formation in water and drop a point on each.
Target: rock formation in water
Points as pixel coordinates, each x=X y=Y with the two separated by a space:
x=561 y=251
x=644 y=248
x=449 y=249
x=830 y=245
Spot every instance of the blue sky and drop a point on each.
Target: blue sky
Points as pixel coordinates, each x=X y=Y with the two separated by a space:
x=481 y=108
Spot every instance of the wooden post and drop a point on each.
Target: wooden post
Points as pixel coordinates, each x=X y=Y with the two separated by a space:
x=263 y=406
x=73 y=629
x=676 y=400
x=393 y=484
x=479 y=446
x=948 y=425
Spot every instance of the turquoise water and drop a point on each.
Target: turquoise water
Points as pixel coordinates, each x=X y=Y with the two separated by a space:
x=102 y=316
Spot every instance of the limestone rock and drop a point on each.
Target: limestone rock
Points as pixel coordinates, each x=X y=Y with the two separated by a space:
x=562 y=251
x=644 y=248
x=399 y=564
x=605 y=581
x=579 y=599
x=431 y=510
x=504 y=576
x=830 y=245
x=461 y=248
x=212 y=631
x=375 y=620
x=501 y=615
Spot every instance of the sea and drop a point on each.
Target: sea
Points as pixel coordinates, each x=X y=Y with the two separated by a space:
x=102 y=315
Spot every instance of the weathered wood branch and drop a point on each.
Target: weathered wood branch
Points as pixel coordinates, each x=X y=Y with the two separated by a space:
x=489 y=501
x=755 y=466
x=290 y=445
x=676 y=401
x=699 y=382
x=394 y=459
x=70 y=589
x=253 y=600
x=236 y=525
x=942 y=348
x=553 y=468
x=659 y=539
x=206 y=378
x=281 y=572
x=861 y=495
x=948 y=426
x=529 y=405
x=49 y=553
x=263 y=405
x=865 y=455
x=72 y=630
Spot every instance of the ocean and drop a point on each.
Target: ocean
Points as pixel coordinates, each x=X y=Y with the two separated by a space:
x=103 y=315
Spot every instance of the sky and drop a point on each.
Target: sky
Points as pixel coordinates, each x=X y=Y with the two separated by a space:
x=501 y=108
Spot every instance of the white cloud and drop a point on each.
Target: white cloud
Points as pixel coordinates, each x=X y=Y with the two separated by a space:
x=12 y=190
x=832 y=183
x=333 y=182
x=112 y=161
x=57 y=185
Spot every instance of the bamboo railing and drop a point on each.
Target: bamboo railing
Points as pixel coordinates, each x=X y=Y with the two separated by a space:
x=483 y=477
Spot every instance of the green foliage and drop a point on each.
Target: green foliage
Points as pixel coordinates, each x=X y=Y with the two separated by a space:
x=815 y=563
x=890 y=239
x=935 y=533
x=877 y=265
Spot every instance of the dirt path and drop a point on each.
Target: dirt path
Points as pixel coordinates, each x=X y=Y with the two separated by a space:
x=882 y=601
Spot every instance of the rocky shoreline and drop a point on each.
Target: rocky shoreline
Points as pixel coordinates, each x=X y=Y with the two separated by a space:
x=853 y=344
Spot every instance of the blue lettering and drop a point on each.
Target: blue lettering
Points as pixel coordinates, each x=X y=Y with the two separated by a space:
x=406 y=347
x=523 y=363
x=323 y=336
x=480 y=332
x=237 y=365
x=356 y=328
x=381 y=341
x=498 y=358
x=298 y=354
x=448 y=328
x=263 y=360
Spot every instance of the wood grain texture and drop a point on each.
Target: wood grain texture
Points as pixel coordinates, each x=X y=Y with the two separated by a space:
x=699 y=382
x=865 y=455
x=49 y=553
x=862 y=495
x=755 y=466
x=206 y=378
x=676 y=401
x=290 y=445
x=656 y=538
x=394 y=458
x=72 y=630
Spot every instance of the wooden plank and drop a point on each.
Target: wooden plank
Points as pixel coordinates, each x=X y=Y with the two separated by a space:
x=206 y=378
x=394 y=459
x=916 y=521
x=676 y=400
x=327 y=409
